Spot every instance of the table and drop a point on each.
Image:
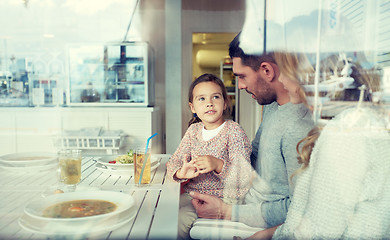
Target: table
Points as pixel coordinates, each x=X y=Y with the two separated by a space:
x=158 y=203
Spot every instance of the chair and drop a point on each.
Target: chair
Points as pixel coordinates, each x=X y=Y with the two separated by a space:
x=220 y=229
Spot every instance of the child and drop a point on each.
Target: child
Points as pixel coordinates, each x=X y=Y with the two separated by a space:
x=214 y=154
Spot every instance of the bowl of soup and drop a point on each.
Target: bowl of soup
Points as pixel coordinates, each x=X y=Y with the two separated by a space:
x=78 y=211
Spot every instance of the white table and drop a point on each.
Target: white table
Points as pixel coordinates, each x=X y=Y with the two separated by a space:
x=157 y=216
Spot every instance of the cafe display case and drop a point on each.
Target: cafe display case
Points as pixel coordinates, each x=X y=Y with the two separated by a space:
x=110 y=74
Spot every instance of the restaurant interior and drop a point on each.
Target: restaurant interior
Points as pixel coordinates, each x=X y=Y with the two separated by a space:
x=110 y=77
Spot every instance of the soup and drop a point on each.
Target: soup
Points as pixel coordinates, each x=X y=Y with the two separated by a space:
x=79 y=208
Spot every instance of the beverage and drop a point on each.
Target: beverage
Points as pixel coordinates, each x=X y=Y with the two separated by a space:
x=70 y=170
x=70 y=166
x=139 y=158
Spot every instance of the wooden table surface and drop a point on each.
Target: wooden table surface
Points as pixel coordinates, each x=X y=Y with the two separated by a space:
x=157 y=203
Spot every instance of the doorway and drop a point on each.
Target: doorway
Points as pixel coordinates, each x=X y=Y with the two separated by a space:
x=210 y=54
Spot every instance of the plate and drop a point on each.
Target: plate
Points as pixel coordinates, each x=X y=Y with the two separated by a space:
x=122 y=172
x=29 y=169
x=28 y=159
x=106 y=159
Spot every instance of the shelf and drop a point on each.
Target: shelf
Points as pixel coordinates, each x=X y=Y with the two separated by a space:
x=231 y=89
x=227 y=67
x=123 y=76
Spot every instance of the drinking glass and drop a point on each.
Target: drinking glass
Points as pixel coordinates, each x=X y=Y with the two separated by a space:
x=139 y=160
x=69 y=162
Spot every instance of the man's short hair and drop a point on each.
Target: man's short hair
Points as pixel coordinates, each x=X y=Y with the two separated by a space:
x=252 y=61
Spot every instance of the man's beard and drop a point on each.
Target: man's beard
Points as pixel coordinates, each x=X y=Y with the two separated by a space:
x=265 y=100
x=267 y=95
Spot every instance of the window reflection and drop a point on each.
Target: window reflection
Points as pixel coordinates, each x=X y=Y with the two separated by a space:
x=35 y=37
x=345 y=41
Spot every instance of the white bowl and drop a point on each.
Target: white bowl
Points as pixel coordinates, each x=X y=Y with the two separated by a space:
x=123 y=202
x=34 y=220
x=85 y=230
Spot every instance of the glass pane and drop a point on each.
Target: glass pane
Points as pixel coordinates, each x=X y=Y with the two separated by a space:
x=349 y=53
x=108 y=73
x=34 y=41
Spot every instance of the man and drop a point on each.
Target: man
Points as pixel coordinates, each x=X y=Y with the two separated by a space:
x=274 y=153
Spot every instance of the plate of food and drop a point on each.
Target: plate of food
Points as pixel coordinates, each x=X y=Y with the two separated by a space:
x=77 y=212
x=112 y=170
x=124 y=161
x=118 y=161
x=28 y=159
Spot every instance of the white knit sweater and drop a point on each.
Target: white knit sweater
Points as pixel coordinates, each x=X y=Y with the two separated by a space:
x=345 y=191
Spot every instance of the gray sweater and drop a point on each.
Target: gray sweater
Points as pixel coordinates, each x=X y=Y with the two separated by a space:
x=275 y=155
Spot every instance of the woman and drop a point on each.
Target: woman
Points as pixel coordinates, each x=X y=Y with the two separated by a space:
x=343 y=189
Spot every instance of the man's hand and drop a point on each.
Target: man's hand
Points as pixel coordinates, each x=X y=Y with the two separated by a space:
x=208 y=163
x=187 y=171
x=208 y=206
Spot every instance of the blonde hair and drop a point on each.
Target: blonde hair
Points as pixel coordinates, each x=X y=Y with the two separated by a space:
x=307 y=147
x=296 y=67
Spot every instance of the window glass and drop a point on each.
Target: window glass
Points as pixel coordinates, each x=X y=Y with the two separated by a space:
x=346 y=43
x=35 y=37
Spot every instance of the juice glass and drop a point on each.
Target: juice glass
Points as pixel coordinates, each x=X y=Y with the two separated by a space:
x=70 y=168
x=139 y=159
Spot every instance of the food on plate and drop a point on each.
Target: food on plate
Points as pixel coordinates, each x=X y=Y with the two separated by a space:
x=124 y=159
x=79 y=208
x=58 y=191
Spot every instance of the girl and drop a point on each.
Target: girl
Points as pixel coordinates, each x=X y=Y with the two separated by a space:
x=214 y=154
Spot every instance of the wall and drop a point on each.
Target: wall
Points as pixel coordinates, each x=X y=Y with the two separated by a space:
x=153 y=30
x=35 y=129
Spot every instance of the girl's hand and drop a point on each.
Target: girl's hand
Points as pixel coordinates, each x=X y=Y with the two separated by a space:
x=187 y=171
x=208 y=163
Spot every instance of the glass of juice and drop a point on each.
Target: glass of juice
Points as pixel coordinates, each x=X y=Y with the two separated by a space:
x=139 y=159
x=69 y=162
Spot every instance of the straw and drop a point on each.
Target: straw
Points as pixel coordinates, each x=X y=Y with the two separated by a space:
x=146 y=151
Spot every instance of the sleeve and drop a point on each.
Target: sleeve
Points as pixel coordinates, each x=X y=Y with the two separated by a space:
x=252 y=213
x=183 y=152
x=260 y=212
x=255 y=148
x=294 y=133
x=237 y=171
